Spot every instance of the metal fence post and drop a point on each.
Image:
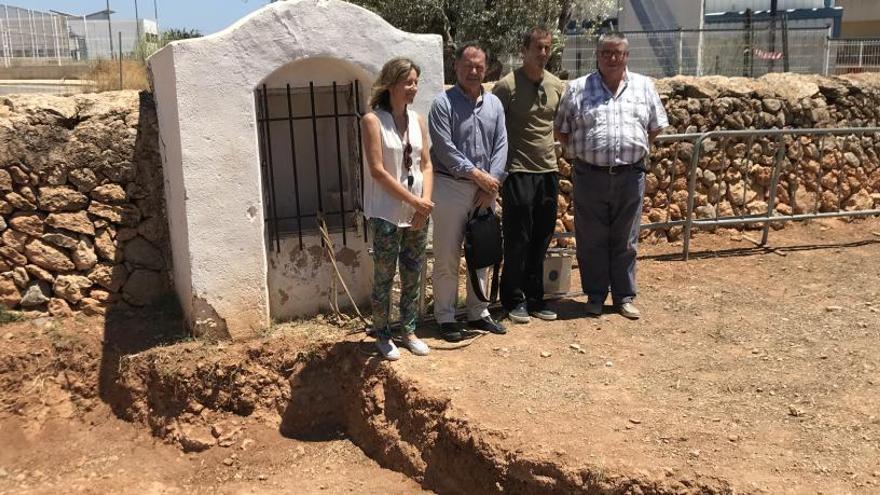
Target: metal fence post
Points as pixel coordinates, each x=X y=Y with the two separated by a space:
x=774 y=181
x=680 y=50
x=692 y=187
x=861 y=54
x=827 y=50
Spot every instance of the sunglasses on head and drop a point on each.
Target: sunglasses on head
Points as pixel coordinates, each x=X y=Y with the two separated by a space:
x=407 y=162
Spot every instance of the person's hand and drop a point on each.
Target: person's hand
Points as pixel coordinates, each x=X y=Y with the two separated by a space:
x=485 y=181
x=418 y=221
x=483 y=199
x=423 y=206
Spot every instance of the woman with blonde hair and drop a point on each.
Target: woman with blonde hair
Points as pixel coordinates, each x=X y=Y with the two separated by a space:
x=397 y=199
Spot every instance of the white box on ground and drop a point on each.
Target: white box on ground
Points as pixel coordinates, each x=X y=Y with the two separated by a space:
x=557 y=274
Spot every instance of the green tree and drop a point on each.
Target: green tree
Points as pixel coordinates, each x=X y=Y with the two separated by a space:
x=496 y=24
x=175 y=34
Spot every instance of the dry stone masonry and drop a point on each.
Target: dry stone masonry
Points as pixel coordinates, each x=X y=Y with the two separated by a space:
x=81 y=199
x=733 y=177
x=82 y=221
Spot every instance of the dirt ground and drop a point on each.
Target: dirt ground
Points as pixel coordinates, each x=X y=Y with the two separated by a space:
x=752 y=371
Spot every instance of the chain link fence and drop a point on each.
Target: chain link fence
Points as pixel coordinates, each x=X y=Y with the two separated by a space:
x=731 y=52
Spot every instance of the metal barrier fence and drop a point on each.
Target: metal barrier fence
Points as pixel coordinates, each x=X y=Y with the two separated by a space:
x=847 y=56
x=788 y=161
x=731 y=52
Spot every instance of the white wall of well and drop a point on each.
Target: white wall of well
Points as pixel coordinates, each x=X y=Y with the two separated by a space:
x=204 y=91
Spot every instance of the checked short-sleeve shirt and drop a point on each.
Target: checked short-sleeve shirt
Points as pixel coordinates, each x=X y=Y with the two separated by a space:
x=606 y=130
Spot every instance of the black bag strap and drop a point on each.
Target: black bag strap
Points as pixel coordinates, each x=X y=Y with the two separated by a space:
x=478 y=289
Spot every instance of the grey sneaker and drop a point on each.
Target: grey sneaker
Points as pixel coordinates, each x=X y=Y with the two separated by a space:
x=593 y=308
x=415 y=345
x=629 y=310
x=544 y=314
x=519 y=314
x=387 y=348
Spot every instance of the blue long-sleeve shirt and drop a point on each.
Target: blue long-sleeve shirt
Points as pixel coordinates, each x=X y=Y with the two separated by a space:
x=467 y=134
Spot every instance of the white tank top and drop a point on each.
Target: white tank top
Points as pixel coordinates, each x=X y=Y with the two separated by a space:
x=379 y=203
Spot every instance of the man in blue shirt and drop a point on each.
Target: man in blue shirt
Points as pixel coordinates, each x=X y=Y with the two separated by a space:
x=469 y=153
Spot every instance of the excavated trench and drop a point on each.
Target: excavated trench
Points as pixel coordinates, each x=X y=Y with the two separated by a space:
x=334 y=389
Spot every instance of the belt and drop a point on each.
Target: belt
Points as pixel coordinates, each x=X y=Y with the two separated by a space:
x=611 y=169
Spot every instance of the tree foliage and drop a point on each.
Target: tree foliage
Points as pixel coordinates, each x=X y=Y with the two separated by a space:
x=497 y=24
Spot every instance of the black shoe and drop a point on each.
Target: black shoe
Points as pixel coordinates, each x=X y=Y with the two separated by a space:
x=450 y=332
x=488 y=324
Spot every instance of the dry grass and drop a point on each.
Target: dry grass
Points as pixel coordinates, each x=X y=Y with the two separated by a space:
x=105 y=74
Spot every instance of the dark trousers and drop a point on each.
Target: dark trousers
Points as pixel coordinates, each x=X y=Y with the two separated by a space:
x=607 y=215
x=528 y=221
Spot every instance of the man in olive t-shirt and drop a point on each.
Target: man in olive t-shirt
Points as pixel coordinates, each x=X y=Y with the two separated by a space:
x=530 y=96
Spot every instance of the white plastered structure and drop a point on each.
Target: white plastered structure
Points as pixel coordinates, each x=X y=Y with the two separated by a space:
x=204 y=91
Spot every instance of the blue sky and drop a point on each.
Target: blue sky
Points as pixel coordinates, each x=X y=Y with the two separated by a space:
x=208 y=16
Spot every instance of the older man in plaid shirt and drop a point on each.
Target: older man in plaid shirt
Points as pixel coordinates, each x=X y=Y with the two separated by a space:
x=606 y=122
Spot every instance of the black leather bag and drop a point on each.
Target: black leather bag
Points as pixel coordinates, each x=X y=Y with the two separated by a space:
x=483 y=248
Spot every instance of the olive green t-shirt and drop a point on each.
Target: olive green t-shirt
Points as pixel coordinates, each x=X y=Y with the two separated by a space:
x=529 y=110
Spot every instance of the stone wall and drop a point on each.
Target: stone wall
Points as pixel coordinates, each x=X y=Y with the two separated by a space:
x=83 y=222
x=734 y=176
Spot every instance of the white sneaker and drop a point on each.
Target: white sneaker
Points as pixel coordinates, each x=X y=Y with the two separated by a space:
x=387 y=348
x=415 y=345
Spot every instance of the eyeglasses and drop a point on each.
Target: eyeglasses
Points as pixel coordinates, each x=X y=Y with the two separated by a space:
x=407 y=162
x=612 y=53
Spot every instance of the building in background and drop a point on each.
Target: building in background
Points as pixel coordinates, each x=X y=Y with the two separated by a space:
x=861 y=18
x=32 y=37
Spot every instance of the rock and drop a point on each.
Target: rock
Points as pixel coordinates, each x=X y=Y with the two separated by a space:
x=127 y=234
x=101 y=295
x=20 y=277
x=9 y=295
x=831 y=309
x=791 y=87
x=14 y=239
x=29 y=223
x=19 y=202
x=705 y=212
x=59 y=307
x=19 y=176
x=3 y=225
x=859 y=201
x=565 y=186
x=110 y=277
x=545 y=354
x=126 y=214
x=153 y=228
x=13 y=256
x=61 y=198
x=48 y=256
x=61 y=238
x=576 y=347
x=141 y=253
x=771 y=105
x=84 y=256
x=84 y=179
x=36 y=294
x=91 y=307
x=71 y=287
x=74 y=222
x=119 y=172
x=106 y=246
x=54 y=174
x=40 y=274
x=194 y=439
x=109 y=193
x=143 y=287
x=5 y=181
